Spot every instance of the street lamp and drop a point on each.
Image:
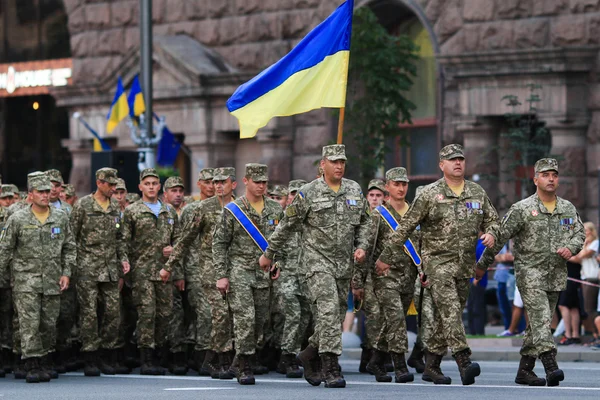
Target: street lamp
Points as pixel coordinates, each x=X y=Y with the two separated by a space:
x=146 y=143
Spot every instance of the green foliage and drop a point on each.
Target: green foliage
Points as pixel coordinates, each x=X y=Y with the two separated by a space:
x=166 y=172
x=381 y=68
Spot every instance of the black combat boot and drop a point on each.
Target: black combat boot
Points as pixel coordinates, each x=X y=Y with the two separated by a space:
x=245 y=376
x=117 y=357
x=147 y=359
x=365 y=356
x=225 y=364
x=104 y=362
x=7 y=360
x=234 y=368
x=553 y=374
x=47 y=366
x=258 y=368
x=388 y=364
x=200 y=356
x=433 y=372
x=3 y=363
x=292 y=370
x=20 y=372
x=331 y=371
x=161 y=359
x=132 y=358
x=309 y=359
x=179 y=364
x=209 y=365
x=281 y=364
x=59 y=361
x=400 y=368
x=376 y=366
x=415 y=360
x=90 y=367
x=525 y=374
x=32 y=366
x=468 y=370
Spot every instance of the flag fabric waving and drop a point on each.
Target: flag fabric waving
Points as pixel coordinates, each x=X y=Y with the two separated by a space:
x=313 y=75
x=135 y=99
x=119 y=109
x=168 y=147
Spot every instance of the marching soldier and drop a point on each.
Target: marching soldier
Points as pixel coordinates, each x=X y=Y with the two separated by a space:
x=70 y=197
x=6 y=196
x=6 y=304
x=547 y=232
x=120 y=194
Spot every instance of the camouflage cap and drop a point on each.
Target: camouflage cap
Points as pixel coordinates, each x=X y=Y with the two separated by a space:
x=69 y=190
x=334 y=152
x=206 y=174
x=222 y=173
x=397 y=174
x=278 y=190
x=121 y=184
x=7 y=191
x=55 y=176
x=296 y=184
x=132 y=197
x=376 y=184
x=546 y=164
x=39 y=181
x=452 y=151
x=174 y=181
x=148 y=172
x=108 y=175
x=15 y=189
x=257 y=172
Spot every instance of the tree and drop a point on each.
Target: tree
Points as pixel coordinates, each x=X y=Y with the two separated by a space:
x=381 y=67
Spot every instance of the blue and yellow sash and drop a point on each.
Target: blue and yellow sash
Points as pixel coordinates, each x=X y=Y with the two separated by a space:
x=409 y=248
x=248 y=225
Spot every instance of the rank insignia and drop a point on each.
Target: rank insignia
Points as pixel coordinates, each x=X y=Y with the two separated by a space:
x=534 y=213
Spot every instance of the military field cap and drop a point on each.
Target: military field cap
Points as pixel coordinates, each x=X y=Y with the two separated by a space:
x=148 y=172
x=206 y=174
x=69 y=190
x=55 y=176
x=334 y=152
x=108 y=175
x=132 y=197
x=376 y=184
x=7 y=191
x=452 y=151
x=546 y=164
x=295 y=185
x=15 y=189
x=223 y=173
x=39 y=181
x=397 y=174
x=121 y=184
x=257 y=172
x=278 y=190
x=174 y=181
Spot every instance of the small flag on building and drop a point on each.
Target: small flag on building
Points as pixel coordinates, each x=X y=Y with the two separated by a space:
x=119 y=109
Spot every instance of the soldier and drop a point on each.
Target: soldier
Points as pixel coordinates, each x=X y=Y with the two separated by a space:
x=132 y=198
x=40 y=244
x=149 y=230
x=451 y=212
x=205 y=183
x=6 y=306
x=245 y=226
x=57 y=182
x=331 y=213
x=95 y=221
x=120 y=194
x=547 y=232
x=6 y=196
x=201 y=220
x=394 y=287
x=376 y=193
x=293 y=188
x=70 y=197
x=278 y=193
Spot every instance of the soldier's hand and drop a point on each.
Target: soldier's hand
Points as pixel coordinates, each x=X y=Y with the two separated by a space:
x=564 y=253
x=121 y=283
x=180 y=284
x=359 y=256
x=167 y=251
x=64 y=283
x=275 y=272
x=381 y=268
x=264 y=263
x=126 y=267
x=358 y=294
x=479 y=273
x=423 y=279
x=488 y=240
x=223 y=285
x=164 y=275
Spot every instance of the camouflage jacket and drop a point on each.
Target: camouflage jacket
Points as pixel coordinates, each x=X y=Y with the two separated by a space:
x=143 y=237
x=404 y=271
x=40 y=253
x=20 y=205
x=450 y=227
x=233 y=248
x=332 y=225
x=4 y=273
x=95 y=232
x=293 y=253
x=538 y=235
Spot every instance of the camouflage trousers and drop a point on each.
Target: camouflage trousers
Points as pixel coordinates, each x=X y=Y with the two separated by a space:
x=38 y=315
x=394 y=306
x=373 y=317
x=200 y=307
x=426 y=316
x=276 y=321
x=182 y=328
x=154 y=303
x=67 y=318
x=249 y=301
x=128 y=315
x=449 y=299
x=221 y=318
x=539 y=305
x=98 y=298
x=329 y=297
x=296 y=310
x=6 y=316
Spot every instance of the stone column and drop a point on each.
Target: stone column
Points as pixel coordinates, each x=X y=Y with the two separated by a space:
x=81 y=151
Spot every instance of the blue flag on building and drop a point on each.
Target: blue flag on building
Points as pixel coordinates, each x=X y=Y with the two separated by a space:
x=168 y=147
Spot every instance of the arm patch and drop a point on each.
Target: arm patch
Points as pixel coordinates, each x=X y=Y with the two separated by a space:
x=291 y=211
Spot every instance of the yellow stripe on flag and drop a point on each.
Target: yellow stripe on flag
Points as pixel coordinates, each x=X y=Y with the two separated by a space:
x=97 y=145
x=138 y=105
x=412 y=310
x=119 y=112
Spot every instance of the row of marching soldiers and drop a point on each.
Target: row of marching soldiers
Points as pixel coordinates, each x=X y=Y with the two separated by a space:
x=233 y=287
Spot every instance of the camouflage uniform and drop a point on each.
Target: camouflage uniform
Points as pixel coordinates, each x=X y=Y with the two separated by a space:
x=450 y=225
x=6 y=302
x=98 y=270
x=540 y=272
x=235 y=256
x=41 y=254
x=143 y=237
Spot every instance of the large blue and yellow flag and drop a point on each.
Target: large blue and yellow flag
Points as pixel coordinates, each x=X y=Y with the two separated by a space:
x=119 y=109
x=135 y=99
x=313 y=75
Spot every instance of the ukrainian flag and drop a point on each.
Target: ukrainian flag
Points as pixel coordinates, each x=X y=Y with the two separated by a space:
x=313 y=75
x=119 y=109
x=135 y=99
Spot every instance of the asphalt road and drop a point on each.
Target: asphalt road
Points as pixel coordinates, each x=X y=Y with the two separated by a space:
x=496 y=382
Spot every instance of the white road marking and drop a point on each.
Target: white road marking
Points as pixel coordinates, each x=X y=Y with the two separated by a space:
x=198 y=388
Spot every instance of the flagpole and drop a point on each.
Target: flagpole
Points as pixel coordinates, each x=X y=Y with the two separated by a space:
x=340 y=133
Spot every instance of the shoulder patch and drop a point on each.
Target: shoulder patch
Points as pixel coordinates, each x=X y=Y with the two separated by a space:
x=2 y=234
x=301 y=195
x=291 y=211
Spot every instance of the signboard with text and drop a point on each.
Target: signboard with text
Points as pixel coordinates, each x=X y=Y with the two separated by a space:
x=34 y=77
